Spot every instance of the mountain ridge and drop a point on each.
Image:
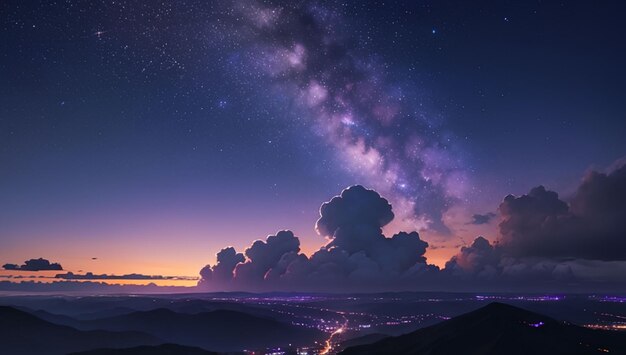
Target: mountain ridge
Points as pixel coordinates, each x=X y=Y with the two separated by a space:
x=498 y=328
x=25 y=333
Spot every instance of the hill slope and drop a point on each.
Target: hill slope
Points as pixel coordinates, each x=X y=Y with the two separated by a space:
x=499 y=329
x=218 y=330
x=24 y=333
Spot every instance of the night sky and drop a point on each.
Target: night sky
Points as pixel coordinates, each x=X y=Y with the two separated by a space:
x=143 y=137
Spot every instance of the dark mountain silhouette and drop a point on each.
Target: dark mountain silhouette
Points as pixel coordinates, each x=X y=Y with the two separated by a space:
x=499 y=329
x=54 y=318
x=200 y=306
x=24 y=333
x=220 y=330
x=93 y=307
x=165 y=349
x=109 y=312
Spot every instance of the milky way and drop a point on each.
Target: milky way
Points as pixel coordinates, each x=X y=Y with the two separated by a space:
x=153 y=134
x=380 y=135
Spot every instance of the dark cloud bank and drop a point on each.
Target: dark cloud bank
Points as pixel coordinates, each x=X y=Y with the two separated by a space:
x=92 y=276
x=34 y=265
x=87 y=287
x=545 y=243
x=591 y=226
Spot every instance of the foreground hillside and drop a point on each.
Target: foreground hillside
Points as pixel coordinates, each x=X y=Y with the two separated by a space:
x=220 y=330
x=499 y=329
x=23 y=333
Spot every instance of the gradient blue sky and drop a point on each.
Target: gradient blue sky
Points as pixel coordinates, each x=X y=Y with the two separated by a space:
x=137 y=133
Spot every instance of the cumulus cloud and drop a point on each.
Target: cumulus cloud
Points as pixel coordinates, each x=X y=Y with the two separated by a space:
x=591 y=226
x=34 y=265
x=544 y=243
x=263 y=256
x=484 y=261
x=357 y=253
x=480 y=258
x=354 y=219
x=222 y=272
x=227 y=260
x=546 y=239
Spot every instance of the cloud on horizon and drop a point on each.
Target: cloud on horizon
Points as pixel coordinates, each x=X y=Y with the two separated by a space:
x=543 y=241
x=591 y=226
x=88 y=287
x=544 y=244
x=40 y=264
x=545 y=238
x=357 y=253
x=92 y=276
